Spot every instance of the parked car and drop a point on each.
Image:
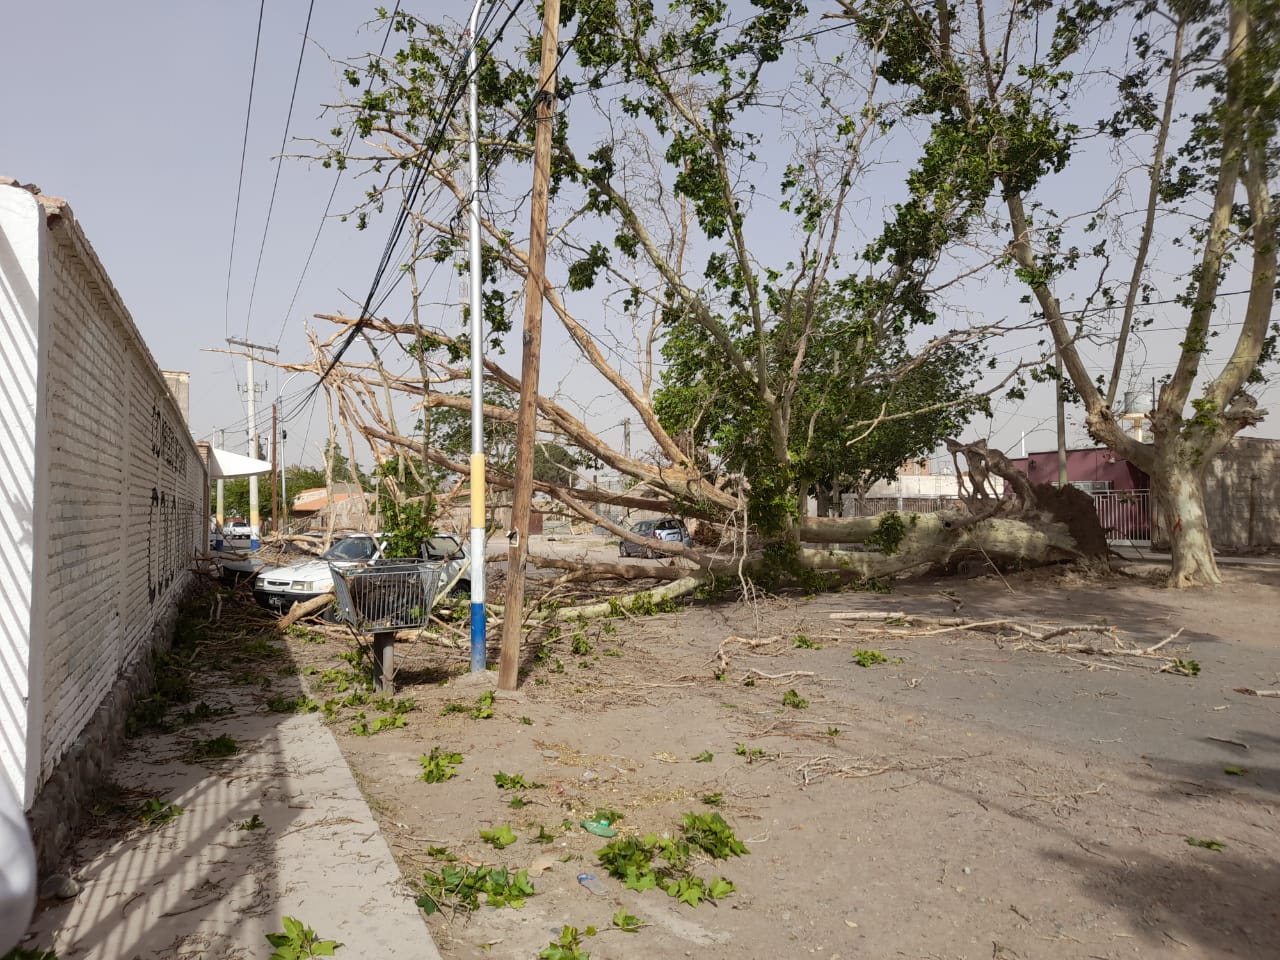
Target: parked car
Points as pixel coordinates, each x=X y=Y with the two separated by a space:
x=281 y=587
x=237 y=530
x=673 y=531
x=669 y=529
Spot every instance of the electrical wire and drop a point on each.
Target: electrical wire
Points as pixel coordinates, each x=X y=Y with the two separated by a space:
x=244 y=149
x=328 y=207
x=275 y=184
x=435 y=141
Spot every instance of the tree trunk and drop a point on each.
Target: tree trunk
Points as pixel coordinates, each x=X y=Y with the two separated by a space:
x=1179 y=490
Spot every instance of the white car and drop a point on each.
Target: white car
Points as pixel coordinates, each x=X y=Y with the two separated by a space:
x=281 y=587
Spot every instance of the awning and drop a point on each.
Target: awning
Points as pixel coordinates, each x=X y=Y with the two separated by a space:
x=224 y=463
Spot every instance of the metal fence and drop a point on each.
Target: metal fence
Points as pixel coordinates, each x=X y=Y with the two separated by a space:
x=1124 y=514
x=874 y=506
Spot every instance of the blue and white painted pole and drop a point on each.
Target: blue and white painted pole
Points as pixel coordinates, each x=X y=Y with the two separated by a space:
x=478 y=626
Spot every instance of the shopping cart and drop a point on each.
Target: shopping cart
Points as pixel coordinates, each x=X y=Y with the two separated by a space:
x=383 y=597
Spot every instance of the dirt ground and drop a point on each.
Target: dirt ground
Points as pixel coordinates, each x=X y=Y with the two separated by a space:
x=965 y=799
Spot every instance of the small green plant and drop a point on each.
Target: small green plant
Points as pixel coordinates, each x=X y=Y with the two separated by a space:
x=460 y=888
x=712 y=835
x=1207 y=844
x=567 y=946
x=869 y=658
x=833 y=732
x=23 y=953
x=215 y=748
x=706 y=756
x=439 y=766
x=801 y=642
x=542 y=836
x=1188 y=668
x=1234 y=771
x=364 y=728
x=648 y=862
x=606 y=815
x=299 y=942
x=626 y=922
x=517 y=802
x=712 y=799
x=579 y=645
x=499 y=837
x=527 y=721
x=751 y=753
x=794 y=700
x=514 y=781
x=155 y=812
x=292 y=705
x=253 y=823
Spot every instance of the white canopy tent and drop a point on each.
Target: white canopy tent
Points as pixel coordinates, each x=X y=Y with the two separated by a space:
x=224 y=463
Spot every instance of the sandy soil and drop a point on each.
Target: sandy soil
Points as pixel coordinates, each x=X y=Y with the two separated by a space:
x=966 y=799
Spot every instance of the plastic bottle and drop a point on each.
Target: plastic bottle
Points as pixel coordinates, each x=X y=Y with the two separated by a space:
x=593 y=884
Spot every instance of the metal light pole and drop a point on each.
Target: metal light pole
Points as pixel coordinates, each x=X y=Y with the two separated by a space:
x=477 y=365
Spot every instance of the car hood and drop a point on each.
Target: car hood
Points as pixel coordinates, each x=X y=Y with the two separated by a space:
x=309 y=570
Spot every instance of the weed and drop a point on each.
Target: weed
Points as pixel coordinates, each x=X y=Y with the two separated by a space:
x=253 y=823
x=460 y=888
x=500 y=837
x=1234 y=771
x=482 y=710
x=648 y=862
x=1207 y=844
x=392 y=705
x=606 y=815
x=800 y=641
x=867 y=658
x=833 y=731
x=517 y=802
x=706 y=756
x=626 y=922
x=441 y=853
x=305 y=633
x=292 y=705
x=613 y=652
x=526 y=721
x=542 y=836
x=712 y=799
x=794 y=700
x=363 y=728
x=557 y=665
x=437 y=767
x=567 y=946
x=749 y=682
x=200 y=712
x=712 y=835
x=299 y=941
x=215 y=748
x=751 y=753
x=514 y=781
x=155 y=812
x=1188 y=668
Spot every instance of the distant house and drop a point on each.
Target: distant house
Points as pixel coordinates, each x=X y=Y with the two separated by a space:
x=350 y=507
x=1242 y=492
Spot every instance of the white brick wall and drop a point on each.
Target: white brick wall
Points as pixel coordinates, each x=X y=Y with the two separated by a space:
x=118 y=505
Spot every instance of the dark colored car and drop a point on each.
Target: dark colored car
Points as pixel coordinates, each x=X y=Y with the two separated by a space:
x=669 y=529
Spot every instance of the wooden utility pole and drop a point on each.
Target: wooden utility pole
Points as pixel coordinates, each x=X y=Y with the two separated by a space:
x=526 y=416
x=275 y=472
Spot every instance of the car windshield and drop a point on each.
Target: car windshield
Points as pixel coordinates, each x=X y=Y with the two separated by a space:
x=644 y=526
x=441 y=548
x=352 y=548
x=668 y=525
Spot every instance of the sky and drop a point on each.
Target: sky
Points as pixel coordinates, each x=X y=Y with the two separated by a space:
x=135 y=113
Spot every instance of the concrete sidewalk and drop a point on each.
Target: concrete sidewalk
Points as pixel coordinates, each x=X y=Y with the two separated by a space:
x=200 y=886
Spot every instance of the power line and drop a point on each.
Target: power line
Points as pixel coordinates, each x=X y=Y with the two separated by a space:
x=244 y=149
x=324 y=217
x=453 y=96
x=284 y=139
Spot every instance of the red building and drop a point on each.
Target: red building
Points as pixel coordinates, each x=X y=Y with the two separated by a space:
x=1121 y=492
